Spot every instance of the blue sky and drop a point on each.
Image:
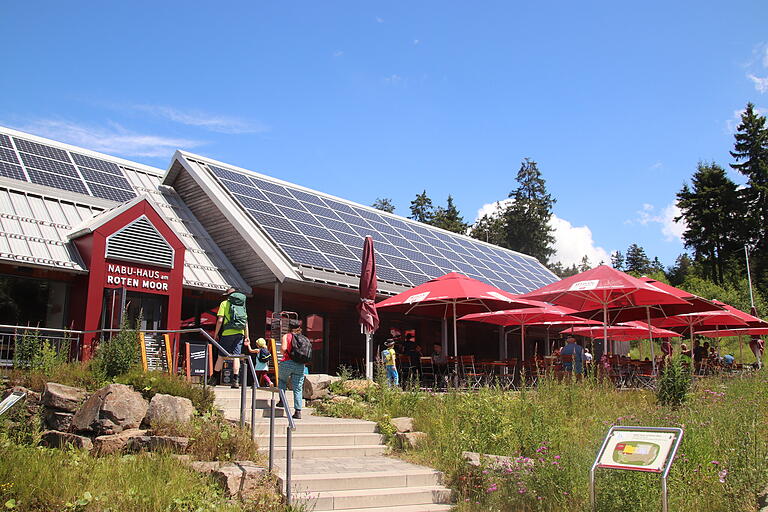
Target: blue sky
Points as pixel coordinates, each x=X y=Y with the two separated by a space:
x=616 y=103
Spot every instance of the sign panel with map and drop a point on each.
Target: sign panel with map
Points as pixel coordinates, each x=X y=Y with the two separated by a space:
x=637 y=450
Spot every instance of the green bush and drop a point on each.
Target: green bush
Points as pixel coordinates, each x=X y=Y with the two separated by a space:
x=77 y=374
x=674 y=383
x=120 y=353
x=153 y=382
x=32 y=352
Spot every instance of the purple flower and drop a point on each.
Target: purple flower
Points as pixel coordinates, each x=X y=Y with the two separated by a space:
x=721 y=475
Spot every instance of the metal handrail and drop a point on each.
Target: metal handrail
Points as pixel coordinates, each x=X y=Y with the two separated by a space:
x=243 y=393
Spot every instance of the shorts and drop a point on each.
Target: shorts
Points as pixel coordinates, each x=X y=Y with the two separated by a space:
x=232 y=343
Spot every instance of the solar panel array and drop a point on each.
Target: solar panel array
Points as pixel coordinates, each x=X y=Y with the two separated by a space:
x=318 y=231
x=25 y=160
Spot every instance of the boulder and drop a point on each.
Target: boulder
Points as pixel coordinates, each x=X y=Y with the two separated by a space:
x=240 y=478
x=115 y=443
x=63 y=398
x=111 y=410
x=57 y=420
x=158 y=444
x=483 y=459
x=410 y=440
x=169 y=409
x=339 y=399
x=762 y=500
x=316 y=385
x=357 y=385
x=403 y=424
x=204 y=467
x=55 y=439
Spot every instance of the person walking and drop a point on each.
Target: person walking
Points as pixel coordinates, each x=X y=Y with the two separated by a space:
x=231 y=331
x=572 y=349
x=260 y=357
x=389 y=357
x=297 y=352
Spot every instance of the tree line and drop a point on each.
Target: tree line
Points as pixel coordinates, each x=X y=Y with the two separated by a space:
x=722 y=218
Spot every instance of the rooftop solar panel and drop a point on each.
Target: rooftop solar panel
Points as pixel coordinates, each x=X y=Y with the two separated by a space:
x=8 y=155
x=12 y=171
x=105 y=178
x=41 y=150
x=56 y=181
x=318 y=231
x=113 y=194
x=96 y=163
x=5 y=141
x=46 y=164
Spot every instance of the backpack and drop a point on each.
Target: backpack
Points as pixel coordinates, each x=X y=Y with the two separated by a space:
x=301 y=349
x=238 y=317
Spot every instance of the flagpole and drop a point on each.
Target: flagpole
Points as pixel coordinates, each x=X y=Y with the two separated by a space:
x=749 y=277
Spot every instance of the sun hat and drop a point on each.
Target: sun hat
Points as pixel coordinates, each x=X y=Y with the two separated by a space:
x=261 y=342
x=389 y=343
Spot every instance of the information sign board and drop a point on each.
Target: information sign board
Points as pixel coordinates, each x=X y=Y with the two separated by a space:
x=155 y=352
x=199 y=359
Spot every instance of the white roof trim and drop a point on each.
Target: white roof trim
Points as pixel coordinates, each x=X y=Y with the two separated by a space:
x=279 y=264
x=90 y=225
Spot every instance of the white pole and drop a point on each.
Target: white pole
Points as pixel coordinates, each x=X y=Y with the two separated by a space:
x=369 y=356
x=522 y=342
x=749 y=278
x=605 y=327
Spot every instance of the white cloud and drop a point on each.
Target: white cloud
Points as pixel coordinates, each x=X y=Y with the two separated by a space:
x=338 y=53
x=656 y=166
x=672 y=231
x=761 y=84
x=211 y=122
x=112 y=139
x=394 y=79
x=416 y=41
x=379 y=20
x=732 y=123
x=572 y=243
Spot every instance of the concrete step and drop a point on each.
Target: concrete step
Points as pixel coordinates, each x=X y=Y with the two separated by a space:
x=419 y=477
x=233 y=413
x=316 y=425
x=311 y=452
x=427 y=507
x=234 y=401
x=324 y=439
x=382 y=498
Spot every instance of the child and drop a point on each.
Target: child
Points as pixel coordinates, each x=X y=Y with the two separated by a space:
x=390 y=361
x=260 y=357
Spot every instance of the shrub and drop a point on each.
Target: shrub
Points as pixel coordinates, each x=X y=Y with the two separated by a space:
x=120 y=353
x=77 y=374
x=675 y=383
x=153 y=382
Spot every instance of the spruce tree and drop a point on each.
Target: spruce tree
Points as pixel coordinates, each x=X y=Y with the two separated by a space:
x=422 y=209
x=491 y=228
x=617 y=260
x=384 y=204
x=449 y=218
x=751 y=155
x=637 y=262
x=714 y=211
x=528 y=217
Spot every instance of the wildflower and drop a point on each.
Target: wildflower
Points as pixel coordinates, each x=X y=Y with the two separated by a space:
x=556 y=457
x=721 y=475
x=485 y=471
x=715 y=462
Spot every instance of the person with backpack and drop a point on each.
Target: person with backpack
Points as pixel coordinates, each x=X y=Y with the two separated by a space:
x=231 y=331
x=260 y=357
x=297 y=352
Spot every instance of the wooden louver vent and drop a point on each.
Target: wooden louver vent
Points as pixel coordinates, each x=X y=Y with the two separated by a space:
x=140 y=242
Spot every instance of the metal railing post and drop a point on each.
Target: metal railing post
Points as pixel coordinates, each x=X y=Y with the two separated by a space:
x=288 y=458
x=243 y=391
x=254 y=386
x=272 y=431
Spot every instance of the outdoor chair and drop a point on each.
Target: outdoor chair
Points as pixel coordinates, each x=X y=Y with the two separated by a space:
x=471 y=378
x=509 y=379
x=427 y=372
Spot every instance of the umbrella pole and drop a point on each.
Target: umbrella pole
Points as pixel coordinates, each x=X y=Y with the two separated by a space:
x=455 y=341
x=522 y=342
x=368 y=354
x=741 y=355
x=605 y=327
x=650 y=337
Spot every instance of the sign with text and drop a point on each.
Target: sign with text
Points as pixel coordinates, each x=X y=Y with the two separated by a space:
x=136 y=278
x=199 y=359
x=155 y=352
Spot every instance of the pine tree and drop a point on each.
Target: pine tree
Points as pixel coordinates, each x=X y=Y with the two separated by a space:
x=714 y=211
x=422 y=209
x=449 y=218
x=528 y=217
x=491 y=227
x=617 y=260
x=637 y=262
x=680 y=270
x=384 y=204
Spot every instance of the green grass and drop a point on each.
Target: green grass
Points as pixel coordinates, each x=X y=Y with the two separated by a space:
x=555 y=432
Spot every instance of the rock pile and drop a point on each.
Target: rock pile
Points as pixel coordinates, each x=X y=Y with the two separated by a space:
x=109 y=420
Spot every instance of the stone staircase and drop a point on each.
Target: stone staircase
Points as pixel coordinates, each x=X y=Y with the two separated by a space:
x=340 y=464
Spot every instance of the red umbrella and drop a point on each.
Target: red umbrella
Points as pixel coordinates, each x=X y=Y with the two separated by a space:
x=602 y=288
x=722 y=333
x=690 y=321
x=626 y=332
x=366 y=308
x=451 y=295
x=523 y=317
x=751 y=320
